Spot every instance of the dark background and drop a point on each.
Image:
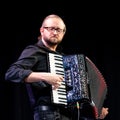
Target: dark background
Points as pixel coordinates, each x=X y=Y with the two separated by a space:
x=92 y=29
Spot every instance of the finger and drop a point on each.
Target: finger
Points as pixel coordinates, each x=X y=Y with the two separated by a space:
x=61 y=78
x=54 y=87
x=59 y=83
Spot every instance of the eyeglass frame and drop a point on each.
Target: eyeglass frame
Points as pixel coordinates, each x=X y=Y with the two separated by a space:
x=53 y=29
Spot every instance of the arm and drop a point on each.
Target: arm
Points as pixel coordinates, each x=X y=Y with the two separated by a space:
x=28 y=66
x=50 y=78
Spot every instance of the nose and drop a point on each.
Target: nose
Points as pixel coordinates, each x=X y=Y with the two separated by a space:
x=55 y=32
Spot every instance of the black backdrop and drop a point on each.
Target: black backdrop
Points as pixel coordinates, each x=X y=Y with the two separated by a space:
x=92 y=29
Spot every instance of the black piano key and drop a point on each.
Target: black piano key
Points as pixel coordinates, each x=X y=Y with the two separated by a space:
x=58 y=59
x=58 y=66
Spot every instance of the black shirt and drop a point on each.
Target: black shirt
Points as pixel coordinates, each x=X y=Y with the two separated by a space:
x=33 y=58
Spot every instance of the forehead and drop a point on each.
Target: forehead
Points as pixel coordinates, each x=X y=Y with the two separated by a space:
x=57 y=22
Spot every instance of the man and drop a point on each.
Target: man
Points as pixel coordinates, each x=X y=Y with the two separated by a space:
x=31 y=68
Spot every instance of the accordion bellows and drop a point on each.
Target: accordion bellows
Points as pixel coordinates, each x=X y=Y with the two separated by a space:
x=98 y=86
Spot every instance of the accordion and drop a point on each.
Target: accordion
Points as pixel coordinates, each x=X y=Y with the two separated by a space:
x=82 y=83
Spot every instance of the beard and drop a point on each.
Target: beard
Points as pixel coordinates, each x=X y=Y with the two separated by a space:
x=53 y=41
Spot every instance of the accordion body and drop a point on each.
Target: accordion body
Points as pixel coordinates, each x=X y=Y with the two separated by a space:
x=82 y=83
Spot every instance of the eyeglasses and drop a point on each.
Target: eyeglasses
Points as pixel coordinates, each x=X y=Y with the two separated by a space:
x=53 y=29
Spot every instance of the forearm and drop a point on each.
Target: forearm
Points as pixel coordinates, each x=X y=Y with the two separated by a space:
x=50 y=78
x=36 y=77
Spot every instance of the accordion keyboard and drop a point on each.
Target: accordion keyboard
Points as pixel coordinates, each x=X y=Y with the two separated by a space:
x=56 y=66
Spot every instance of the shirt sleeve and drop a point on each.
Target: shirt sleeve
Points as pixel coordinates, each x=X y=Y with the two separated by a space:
x=20 y=69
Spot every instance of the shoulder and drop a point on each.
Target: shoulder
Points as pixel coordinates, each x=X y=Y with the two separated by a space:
x=33 y=47
x=31 y=50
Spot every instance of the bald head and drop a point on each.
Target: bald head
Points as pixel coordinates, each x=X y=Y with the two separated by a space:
x=53 y=17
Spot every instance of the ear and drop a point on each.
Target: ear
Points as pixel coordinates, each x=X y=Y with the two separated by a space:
x=41 y=30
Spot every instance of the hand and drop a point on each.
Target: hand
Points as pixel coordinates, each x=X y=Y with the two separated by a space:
x=54 y=79
x=104 y=112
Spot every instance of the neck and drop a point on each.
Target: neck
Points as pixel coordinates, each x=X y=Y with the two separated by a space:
x=51 y=47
